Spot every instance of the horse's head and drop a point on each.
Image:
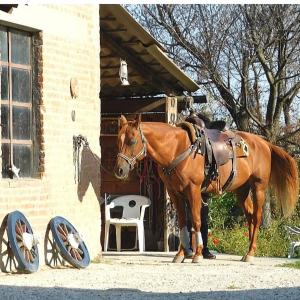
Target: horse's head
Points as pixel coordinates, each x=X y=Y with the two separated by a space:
x=132 y=146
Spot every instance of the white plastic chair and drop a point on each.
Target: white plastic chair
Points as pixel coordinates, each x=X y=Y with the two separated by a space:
x=294 y=237
x=133 y=215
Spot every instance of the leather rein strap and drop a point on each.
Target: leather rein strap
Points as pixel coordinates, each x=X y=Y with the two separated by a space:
x=178 y=160
x=181 y=157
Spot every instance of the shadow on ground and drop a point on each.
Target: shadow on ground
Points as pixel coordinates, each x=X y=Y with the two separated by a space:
x=28 y=293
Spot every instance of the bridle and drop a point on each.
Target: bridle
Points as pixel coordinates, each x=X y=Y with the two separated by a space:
x=132 y=160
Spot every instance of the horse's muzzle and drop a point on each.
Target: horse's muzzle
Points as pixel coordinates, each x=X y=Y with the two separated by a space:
x=121 y=172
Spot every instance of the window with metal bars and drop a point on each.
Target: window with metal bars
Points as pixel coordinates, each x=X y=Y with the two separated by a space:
x=16 y=103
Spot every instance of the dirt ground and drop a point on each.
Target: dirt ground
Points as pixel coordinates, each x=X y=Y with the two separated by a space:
x=152 y=276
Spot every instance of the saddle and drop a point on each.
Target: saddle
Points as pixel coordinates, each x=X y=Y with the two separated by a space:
x=217 y=144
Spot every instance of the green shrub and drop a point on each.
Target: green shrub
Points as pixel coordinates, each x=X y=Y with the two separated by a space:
x=224 y=211
x=272 y=241
x=229 y=230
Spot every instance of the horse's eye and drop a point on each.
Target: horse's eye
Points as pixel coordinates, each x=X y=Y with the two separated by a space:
x=132 y=142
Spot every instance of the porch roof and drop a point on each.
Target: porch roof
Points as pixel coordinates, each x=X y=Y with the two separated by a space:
x=150 y=71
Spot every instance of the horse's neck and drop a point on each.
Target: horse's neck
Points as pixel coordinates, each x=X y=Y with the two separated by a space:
x=164 y=142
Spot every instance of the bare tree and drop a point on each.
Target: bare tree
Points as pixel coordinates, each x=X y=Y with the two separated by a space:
x=246 y=56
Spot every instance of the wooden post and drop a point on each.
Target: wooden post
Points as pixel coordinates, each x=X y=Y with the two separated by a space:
x=171 y=118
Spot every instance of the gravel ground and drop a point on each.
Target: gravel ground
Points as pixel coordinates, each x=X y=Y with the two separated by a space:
x=153 y=276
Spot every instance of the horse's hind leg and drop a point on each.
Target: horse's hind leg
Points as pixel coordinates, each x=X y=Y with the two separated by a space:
x=258 y=194
x=245 y=201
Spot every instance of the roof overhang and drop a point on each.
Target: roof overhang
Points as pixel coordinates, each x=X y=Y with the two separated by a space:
x=151 y=71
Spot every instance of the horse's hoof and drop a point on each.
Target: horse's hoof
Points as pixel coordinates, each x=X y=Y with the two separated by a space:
x=197 y=259
x=247 y=258
x=178 y=259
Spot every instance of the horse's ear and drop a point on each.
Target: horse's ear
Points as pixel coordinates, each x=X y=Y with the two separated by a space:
x=122 y=121
x=137 y=120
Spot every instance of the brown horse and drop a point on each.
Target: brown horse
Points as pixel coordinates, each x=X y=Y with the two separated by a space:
x=266 y=164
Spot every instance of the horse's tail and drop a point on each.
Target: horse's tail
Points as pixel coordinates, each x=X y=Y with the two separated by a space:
x=284 y=179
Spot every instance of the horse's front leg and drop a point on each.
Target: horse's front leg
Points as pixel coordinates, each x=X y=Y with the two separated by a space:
x=184 y=250
x=195 y=200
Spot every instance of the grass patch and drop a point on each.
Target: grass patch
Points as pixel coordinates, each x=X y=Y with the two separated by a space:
x=295 y=265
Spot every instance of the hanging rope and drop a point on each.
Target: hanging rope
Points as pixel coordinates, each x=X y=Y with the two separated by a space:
x=80 y=142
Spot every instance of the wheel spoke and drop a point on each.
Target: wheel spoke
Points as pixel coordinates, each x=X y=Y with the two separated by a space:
x=78 y=256
x=6 y=263
x=15 y=264
x=19 y=237
x=5 y=252
x=24 y=228
x=19 y=228
x=59 y=259
x=61 y=231
x=26 y=253
x=66 y=229
x=30 y=256
x=51 y=242
x=10 y=264
x=51 y=259
x=23 y=251
x=33 y=253
x=73 y=253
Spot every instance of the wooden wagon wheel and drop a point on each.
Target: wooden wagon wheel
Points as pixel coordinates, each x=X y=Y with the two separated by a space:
x=21 y=244
x=71 y=246
x=53 y=257
x=8 y=262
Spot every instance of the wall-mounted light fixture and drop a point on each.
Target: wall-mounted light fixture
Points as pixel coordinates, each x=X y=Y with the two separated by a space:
x=123 y=73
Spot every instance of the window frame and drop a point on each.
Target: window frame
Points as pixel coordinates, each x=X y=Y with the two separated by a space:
x=11 y=103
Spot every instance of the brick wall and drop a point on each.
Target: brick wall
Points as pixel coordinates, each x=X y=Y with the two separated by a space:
x=67 y=46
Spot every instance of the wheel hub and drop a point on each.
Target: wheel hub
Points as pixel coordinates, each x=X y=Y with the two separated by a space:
x=73 y=240
x=28 y=240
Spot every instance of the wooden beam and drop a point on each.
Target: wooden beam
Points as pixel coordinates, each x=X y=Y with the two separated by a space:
x=112 y=67
x=117 y=76
x=114 y=30
x=109 y=56
x=133 y=106
x=124 y=92
x=108 y=18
